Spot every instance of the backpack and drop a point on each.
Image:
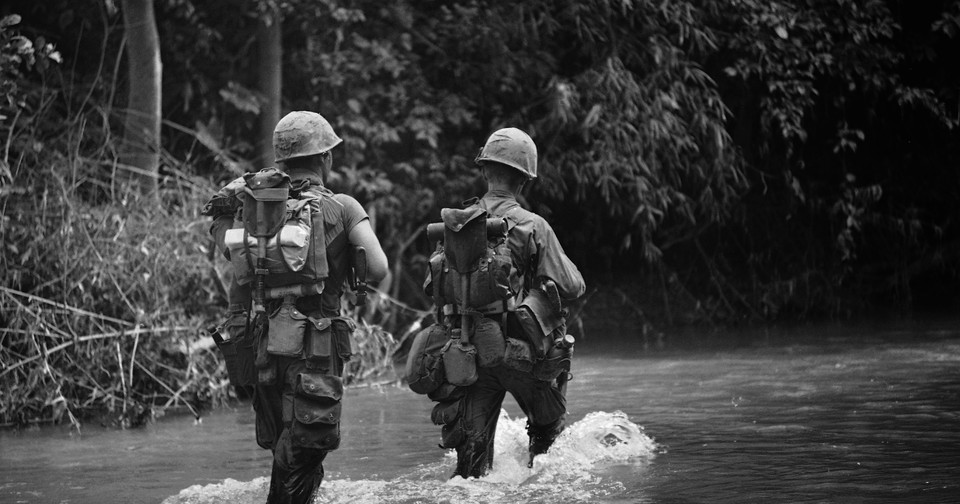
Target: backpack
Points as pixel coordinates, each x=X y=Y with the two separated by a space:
x=280 y=236
x=471 y=275
x=472 y=267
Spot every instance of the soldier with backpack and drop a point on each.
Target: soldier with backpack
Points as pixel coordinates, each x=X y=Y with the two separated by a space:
x=293 y=244
x=497 y=278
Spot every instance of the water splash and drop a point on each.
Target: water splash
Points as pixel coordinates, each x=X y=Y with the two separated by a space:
x=576 y=469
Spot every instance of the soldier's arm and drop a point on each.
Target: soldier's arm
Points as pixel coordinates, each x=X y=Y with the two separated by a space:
x=218 y=229
x=223 y=207
x=555 y=265
x=362 y=235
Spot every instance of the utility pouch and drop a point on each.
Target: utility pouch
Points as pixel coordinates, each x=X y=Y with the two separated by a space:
x=286 y=331
x=460 y=362
x=424 y=370
x=318 y=343
x=341 y=351
x=488 y=338
x=517 y=355
x=316 y=411
x=445 y=412
x=343 y=328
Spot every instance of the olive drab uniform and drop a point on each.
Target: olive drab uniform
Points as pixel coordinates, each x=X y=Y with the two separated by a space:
x=511 y=337
x=293 y=351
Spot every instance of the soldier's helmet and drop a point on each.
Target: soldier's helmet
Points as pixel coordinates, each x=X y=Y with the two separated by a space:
x=302 y=133
x=513 y=148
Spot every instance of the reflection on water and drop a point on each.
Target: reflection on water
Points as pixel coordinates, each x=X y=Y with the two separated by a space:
x=866 y=417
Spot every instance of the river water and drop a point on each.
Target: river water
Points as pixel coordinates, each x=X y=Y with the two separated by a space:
x=863 y=414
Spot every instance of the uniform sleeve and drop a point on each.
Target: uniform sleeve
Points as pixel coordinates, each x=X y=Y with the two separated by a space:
x=226 y=201
x=223 y=207
x=218 y=229
x=353 y=212
x=555 y=265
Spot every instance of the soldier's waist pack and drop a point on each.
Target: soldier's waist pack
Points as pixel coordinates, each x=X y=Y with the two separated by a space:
x=324 y=342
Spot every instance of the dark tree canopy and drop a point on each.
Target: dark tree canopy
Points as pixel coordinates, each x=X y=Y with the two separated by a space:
x=718 y=162
x=785 y=158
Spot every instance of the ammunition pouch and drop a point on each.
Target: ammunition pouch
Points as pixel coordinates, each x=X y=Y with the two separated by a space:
x=343 y=329
x=327 y=343
x=316 y=411
x=323 y=342
x=318 y=343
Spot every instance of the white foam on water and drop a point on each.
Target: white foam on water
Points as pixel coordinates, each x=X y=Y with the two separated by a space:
x=228 y=491
x=572 y=471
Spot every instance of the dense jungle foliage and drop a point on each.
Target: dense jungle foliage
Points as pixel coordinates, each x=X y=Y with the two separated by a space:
x=703 y=162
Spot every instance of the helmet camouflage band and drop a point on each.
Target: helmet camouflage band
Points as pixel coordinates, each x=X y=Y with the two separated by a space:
x=513 y=148
x=302 y=133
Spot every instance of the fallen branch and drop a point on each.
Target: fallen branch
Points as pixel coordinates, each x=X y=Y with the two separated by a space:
x=65 y=307
x=135 y=332
x=175 y=395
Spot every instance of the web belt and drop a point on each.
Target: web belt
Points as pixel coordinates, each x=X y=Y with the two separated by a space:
x=507 y=305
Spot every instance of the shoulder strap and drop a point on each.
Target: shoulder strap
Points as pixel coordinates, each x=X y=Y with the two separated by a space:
x=334 y=217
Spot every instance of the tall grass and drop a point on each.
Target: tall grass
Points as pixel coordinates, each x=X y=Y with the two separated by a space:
x=104 y=296
x=104 y=301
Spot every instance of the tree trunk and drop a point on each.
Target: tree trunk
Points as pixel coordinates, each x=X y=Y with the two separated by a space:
x=140 y=152
x=269 y=82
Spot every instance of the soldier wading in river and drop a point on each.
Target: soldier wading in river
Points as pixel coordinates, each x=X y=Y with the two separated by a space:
x=293 y=244
x=497 y=277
